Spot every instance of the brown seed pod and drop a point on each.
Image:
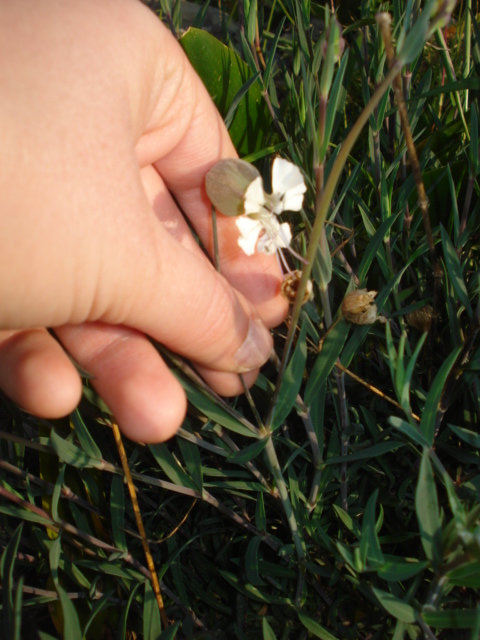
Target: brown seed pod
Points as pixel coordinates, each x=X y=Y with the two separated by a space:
x=358 y=307
x=421 y=319
x=290 y=284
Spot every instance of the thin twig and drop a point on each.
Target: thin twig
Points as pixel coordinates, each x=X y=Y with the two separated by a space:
x=139 y=521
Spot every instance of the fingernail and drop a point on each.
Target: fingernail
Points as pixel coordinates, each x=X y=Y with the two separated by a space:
x=256 y=349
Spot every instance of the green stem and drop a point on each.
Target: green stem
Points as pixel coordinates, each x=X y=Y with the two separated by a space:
x=283 y=491
x=321 y=215
x=450 y=71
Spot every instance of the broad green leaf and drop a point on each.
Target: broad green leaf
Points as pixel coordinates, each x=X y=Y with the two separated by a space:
x=395 y=607
x=428 y=515
x=454 y=269
x=224 y=74
x=429 y=416
x=268 y=633
x=329 y=353
x=292 y=380
x=152 y=626
x=315 y=628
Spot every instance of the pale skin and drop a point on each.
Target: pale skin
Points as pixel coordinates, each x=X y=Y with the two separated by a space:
x=107 y=134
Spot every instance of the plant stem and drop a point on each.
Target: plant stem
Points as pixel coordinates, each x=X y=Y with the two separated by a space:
x=322 y=211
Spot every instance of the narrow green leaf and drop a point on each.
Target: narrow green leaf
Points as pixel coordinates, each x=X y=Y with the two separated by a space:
x=152 y=626
x=470 y=437
x=260 y=516
x=271 y=55
x=268 y=633
x=171 y=632
x=374 y=245
x=251 y=21
x=215 y=412
x=409 y=431
x=171 y=467
x=122 y=627
x=453 y=618
x=57 y=492
x=7 y=564
x=248 y=453
x=193 y=461
x=428 y=515
x=473 y=147
x=71 y=454
x=370 y=551
x=399 y=570
x=455 y=271
x=72 y=629
x=427 y=424
x=315 y=628
x=100 y=605
x=370 y=452
x=395 y=607
x=87 y=443
x=117 y=512
x=17 y=610
x=252 y=571
x=292 y=380
x=330 y=352
x=238 y=98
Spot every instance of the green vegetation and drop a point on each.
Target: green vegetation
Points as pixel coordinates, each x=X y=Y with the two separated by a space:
x=340 y=497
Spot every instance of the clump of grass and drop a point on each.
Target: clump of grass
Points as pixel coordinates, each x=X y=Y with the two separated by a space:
x=340 y=497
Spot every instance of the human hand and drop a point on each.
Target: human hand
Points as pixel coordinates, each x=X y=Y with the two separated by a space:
x=108 y=135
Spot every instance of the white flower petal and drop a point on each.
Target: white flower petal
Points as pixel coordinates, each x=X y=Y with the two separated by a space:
x=284 y=236
x=287 y=177
x=249 y=229
x=254 y=197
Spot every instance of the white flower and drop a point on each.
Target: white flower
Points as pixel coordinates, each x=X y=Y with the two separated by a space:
x=263 y=232
x=235 y=188
x=258 y=226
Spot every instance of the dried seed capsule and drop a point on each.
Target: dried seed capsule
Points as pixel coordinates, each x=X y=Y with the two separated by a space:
x=358 y=307
x=290 y=284
x=421 y=319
